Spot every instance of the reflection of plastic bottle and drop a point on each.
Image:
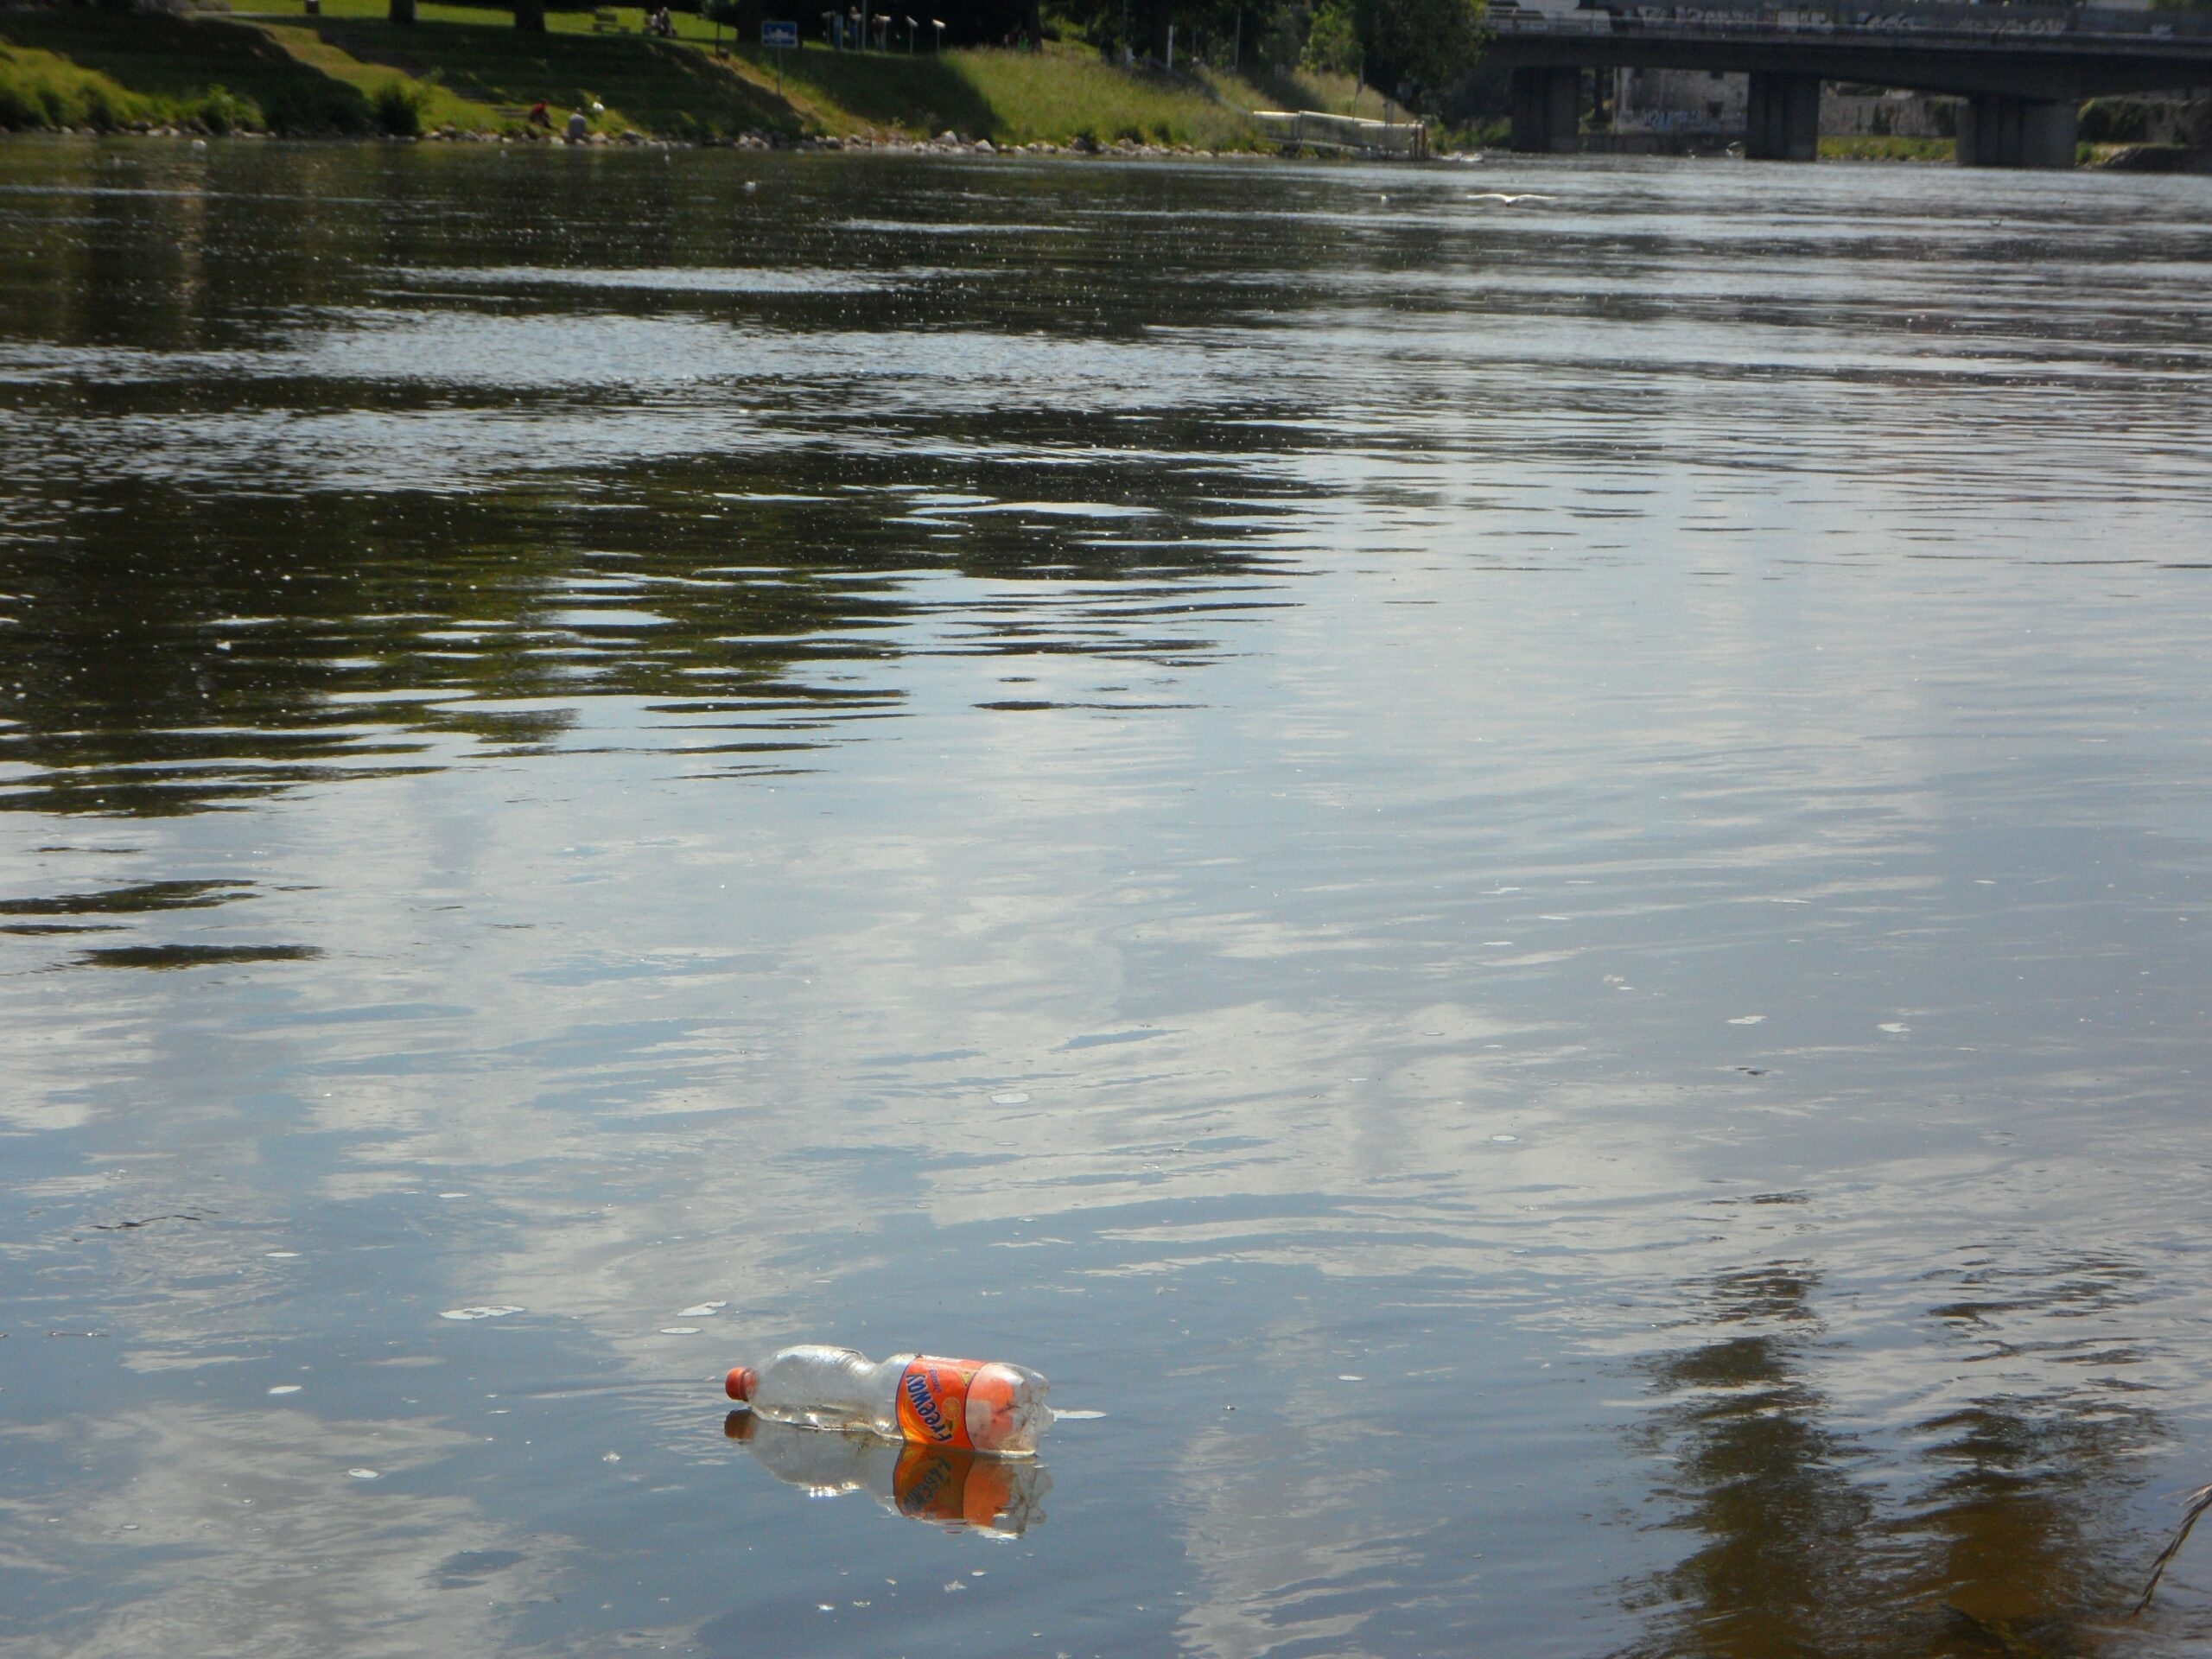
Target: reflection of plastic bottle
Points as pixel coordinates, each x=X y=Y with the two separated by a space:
x=957 y=1490
x=967 y=1404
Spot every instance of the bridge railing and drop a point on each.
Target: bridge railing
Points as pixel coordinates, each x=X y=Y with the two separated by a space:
x=2008 y=24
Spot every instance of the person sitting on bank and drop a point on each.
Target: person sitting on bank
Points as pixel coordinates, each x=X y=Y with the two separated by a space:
x=539 y=116
x=579 y=128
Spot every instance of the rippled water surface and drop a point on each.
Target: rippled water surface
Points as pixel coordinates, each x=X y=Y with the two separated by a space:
x=1526 y=883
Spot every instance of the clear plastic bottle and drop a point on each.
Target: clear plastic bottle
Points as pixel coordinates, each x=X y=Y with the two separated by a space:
x=970 y=1404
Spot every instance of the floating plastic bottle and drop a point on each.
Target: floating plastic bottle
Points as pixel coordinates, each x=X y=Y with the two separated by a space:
x=959 y=1491
x=967 y=1404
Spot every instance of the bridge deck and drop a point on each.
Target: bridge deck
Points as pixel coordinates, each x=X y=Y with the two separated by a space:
x=2030 y=52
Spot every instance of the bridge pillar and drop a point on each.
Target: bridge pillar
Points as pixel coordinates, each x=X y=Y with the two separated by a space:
x=1547 y=110
x=2015 y=132
x=1784 y=121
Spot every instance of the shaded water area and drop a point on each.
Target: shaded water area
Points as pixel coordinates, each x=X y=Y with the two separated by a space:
x=1525 y=881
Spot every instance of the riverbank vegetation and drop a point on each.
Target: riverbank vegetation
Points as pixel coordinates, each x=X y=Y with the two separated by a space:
x=66 y=66
x=469 y=70
x=1884 y=147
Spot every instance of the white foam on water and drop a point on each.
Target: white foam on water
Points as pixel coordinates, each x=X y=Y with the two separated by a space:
x=498 y=1313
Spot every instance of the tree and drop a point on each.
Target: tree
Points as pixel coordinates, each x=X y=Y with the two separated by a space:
x=723 y=14
x=1333 y=45
x=529 y=16
x=1419 y=45
x=1414 y=46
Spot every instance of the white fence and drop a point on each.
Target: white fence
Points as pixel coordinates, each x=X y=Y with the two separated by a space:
x=1350 y=134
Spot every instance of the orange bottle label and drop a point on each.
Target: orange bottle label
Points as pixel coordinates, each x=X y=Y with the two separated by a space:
x=952 y=1489
x=933 y=1399
x=929 y=1484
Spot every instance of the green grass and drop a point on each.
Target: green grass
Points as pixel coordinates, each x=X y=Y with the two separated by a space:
x=1886 y=150
x=1314 y=89
x=650 y=85
x=1057 y=95
x=38 y=89
x=383 y=81
x=1052 y=96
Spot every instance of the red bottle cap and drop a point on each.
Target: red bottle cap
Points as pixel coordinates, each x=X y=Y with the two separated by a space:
x=741 y=1383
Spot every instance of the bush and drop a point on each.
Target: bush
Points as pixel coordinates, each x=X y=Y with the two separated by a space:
x=2114 y=121
x=397 y=107
x=1494 y=133
x=101 y=112
x=219 y=109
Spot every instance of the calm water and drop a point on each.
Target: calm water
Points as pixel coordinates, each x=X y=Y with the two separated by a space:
x=1527 y=882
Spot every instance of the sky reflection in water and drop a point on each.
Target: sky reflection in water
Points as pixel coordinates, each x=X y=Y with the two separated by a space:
x=1526 y=885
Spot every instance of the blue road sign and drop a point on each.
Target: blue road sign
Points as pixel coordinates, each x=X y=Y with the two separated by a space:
x=781 y=37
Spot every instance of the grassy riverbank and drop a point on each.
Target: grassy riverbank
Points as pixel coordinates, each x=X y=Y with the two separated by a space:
x=81 y=68
x=469 y=70
x=1884 y=148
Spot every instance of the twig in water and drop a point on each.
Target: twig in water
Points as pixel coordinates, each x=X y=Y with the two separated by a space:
x=2199 y=1501
x=125 y=1226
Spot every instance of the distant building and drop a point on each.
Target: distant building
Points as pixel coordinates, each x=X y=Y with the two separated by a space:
x=1693 y=102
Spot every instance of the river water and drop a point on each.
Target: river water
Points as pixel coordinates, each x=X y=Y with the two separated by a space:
x=1523 y=882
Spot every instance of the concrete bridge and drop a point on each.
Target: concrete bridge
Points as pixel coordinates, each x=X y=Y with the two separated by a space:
x=2022 y=70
